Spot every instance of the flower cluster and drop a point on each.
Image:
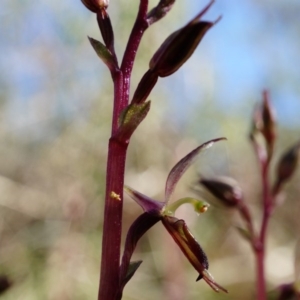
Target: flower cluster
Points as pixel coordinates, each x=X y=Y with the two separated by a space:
x=155 y=211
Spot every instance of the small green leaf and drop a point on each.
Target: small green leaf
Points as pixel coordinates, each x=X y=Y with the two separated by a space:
x=244 y=233
x=104 y=54
x=130 y=119
x=133 y=266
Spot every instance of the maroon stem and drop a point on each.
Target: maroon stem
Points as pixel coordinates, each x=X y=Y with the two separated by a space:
x=260 y=244
x=112 y=227
x=260 y=271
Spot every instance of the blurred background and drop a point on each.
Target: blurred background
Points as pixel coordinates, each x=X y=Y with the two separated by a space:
x=55 y=114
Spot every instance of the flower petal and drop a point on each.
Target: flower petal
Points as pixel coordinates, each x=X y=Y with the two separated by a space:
x=148 y=204
x=191 y=249
x=186 y=242
x=179 y=169
x=138 y=228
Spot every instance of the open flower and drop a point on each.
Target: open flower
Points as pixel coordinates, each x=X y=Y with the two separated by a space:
x=155 y=211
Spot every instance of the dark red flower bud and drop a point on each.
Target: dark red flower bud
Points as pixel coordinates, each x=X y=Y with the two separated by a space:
x=287 y=165
x=225 y=189
x=179 y=46
x=263 y=131
x=268 y=118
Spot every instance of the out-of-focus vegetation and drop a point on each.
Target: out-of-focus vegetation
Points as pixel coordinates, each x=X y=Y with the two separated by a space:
x=55 y=108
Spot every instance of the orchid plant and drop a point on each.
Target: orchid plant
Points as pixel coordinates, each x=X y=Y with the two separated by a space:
x=127 y=115
x=155 y=211
x=263 y=136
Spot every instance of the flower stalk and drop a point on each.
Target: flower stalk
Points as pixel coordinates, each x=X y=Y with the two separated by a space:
x=126 y=118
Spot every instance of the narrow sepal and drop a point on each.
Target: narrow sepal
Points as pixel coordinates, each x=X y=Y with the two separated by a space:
x=211 y=282
x=130 y=119
x=106 y=30
x=103 y=53
x=263 y=132
x=179 y=169
x=145 y=87
x=191 y=249
x=138 y=228
x=179 y=46
x=186 y=242
x=148 y=204
x=158 y=12
x=269 y=120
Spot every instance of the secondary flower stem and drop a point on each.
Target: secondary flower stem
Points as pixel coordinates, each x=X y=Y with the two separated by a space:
x=260 y=246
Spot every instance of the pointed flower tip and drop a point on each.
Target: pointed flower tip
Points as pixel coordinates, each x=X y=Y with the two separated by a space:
x=288 y=163
x=191 y=249
x=218 y=20
x=203 y=11
x=180 y=168
x=180 y=45
x=208 y=278
x=148 y=204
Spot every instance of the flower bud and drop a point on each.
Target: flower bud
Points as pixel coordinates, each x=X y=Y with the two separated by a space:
x=225 y=189
x=106 y=29
x=264 y=128
x=268 y=119
x=95 y=5
x=287 y=165
x=179 y=46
